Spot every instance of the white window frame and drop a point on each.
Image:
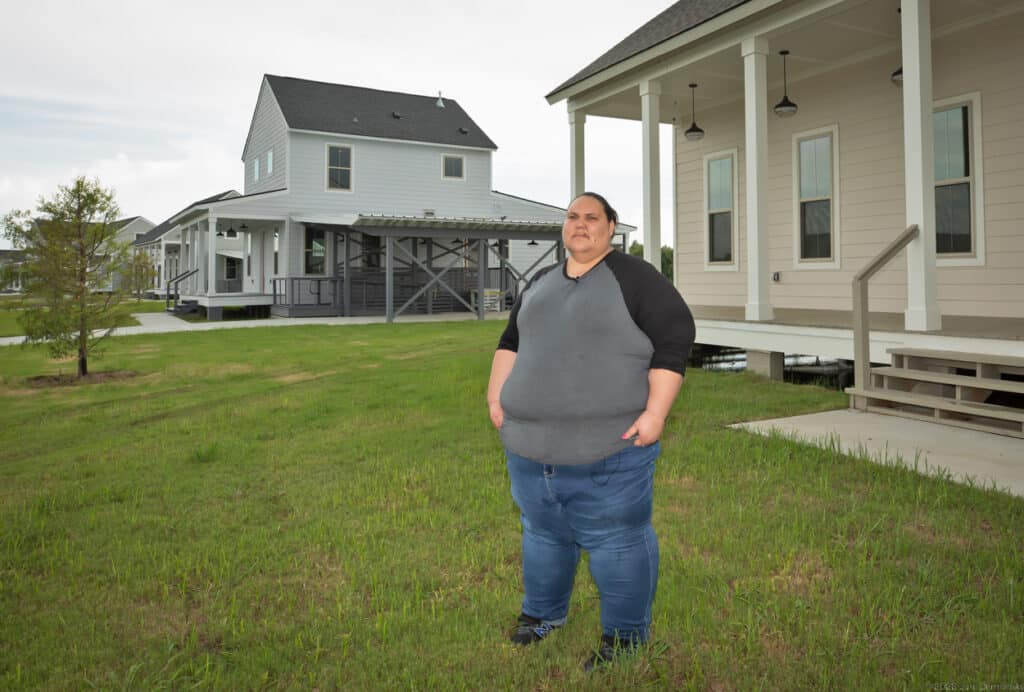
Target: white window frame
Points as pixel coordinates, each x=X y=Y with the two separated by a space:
x=270 y=162
x=452 y=177
x=256 y=169
x=327 y=168
x=734 y=264
x=977 y=257
x=835 y=262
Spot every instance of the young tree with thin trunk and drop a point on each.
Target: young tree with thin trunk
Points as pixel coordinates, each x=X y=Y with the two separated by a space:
x=71 y=256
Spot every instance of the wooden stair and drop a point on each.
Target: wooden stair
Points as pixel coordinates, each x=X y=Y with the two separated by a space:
x=967 y=390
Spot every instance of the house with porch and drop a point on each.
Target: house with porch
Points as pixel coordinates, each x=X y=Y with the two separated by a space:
x=824 y=146
x=357 y=201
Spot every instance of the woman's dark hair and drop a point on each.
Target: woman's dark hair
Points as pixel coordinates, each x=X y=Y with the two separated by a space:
x=612 y=215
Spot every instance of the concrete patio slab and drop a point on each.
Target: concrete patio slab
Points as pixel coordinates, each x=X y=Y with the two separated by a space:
x=986 y=459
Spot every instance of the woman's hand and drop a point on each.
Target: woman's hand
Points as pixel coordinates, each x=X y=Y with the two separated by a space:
x=497 y=413
x=646 y=429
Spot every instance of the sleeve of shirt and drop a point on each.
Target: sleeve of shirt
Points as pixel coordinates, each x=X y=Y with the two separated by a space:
x=509 y=340
x=657 y=308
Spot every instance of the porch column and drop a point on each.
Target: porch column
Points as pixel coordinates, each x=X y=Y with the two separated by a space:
x=481 y=276
x=755 y=97
x=346 y=286
x=163 y=263
x=430 y=266
x=389 y=279
x=919 y=160
x=577 y=157
x=650 y=106
x=211 y=260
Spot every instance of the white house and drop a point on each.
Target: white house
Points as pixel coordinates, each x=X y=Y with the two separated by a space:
x=358 y=201
x=809 y=136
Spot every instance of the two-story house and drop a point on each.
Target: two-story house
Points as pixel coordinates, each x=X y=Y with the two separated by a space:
x=817 y=142
x=358 y=201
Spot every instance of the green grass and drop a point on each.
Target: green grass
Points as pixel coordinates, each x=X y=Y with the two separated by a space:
x=327 y=507
x=10 y=309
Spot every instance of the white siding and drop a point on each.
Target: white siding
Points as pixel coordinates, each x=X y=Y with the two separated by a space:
x=268 y=132
x=868 y=111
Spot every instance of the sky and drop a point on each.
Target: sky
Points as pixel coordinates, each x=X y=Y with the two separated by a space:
x=155 y=99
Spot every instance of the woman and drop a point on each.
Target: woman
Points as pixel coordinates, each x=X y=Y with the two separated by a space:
x=582 y=381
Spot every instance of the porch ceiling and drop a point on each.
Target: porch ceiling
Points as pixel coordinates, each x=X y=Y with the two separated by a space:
x=854 y=31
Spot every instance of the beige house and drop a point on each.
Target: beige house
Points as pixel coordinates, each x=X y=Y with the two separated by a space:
x=795 y=172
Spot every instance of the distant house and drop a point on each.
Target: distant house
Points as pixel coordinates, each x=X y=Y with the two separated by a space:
x=10 y=279
x=357 y=201
x=132 y=228
x=808 y=135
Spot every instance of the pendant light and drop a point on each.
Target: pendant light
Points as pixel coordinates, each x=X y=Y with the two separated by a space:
x=694 y=133
x=784 y=108
x=897 y=75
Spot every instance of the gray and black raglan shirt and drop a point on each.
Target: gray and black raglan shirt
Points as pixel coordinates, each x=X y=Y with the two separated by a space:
x=583 y=350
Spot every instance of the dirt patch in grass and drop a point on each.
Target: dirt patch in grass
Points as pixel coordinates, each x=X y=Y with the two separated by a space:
x=62 y=380
x=296 y=377
x=920 y=529
x=802 y=574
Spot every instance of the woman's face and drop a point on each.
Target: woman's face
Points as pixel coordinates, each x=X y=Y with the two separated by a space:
x=587 y=232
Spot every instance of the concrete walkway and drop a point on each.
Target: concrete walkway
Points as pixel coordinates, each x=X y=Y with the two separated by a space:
x=986 y=459
x=162 y=323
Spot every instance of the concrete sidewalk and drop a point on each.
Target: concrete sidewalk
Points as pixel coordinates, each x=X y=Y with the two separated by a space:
x=985 y=458
x=163 y=323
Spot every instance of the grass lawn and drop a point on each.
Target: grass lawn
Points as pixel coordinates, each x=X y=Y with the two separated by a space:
x=9 y=311
x=327 y=507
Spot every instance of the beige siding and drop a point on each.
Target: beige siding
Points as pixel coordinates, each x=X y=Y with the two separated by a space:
x=867 y=109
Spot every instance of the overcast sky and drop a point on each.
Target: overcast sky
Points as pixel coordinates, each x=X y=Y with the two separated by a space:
x=155 y=99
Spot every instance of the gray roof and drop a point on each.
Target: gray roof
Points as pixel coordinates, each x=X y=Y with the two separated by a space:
x=121 y=223
x=677 y=19
x=351 y=110
x=161 y=228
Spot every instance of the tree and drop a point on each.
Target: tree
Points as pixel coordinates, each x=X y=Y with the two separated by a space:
x=637 y=250
x=139 y=275
x=71 y=256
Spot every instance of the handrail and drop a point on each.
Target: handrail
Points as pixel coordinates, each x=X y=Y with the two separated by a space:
x=861 y=328
x=177 y=285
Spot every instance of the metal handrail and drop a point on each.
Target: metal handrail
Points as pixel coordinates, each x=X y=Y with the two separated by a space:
x=177 y=285
x=861 y=328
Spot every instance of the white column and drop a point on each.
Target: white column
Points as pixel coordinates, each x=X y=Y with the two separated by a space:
x=919 y=161
x=163 y=263
x=211 y=260
x=577 y=158
x=650 y=107
x=755 y=97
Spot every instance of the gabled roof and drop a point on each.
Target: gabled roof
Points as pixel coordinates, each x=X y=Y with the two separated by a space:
x=121 y=223
x=352 y=110
x=161 y=228
x=677 y=19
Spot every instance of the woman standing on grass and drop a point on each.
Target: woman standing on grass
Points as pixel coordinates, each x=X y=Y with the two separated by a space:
x=582 y=381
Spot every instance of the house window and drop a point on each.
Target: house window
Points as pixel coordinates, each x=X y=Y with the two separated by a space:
x=316 y=251
x=952 y=180
x=230 y=268
x=270 y=162
x=339 y=168
x=255 y=169
x=816 y=196
x=720 y=186
x=276 y=247
x=371 y=251
x=454 y=167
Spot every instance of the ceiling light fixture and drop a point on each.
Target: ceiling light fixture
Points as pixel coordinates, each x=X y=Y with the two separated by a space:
x=693 y=133
x=784 y=108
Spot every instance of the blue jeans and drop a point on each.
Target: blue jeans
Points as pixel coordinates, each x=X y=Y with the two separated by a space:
x=603 y=508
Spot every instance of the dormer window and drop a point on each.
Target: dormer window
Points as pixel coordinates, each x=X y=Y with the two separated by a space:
x=270 y=162
x=454 y=167
x=339 y=168
x=255 y=170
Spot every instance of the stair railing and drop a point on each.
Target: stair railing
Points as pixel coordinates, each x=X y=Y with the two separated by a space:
x=861 y=328
x=177 y=285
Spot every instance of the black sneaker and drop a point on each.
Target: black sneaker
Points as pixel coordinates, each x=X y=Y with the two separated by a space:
x=606 y=652
x=529 y=630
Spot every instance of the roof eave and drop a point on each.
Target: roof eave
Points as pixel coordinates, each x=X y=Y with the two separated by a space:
x=659 y=50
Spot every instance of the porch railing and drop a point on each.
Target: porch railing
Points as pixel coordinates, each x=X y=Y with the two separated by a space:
x=861 y=327
x=229 y=285
x=176 y=282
